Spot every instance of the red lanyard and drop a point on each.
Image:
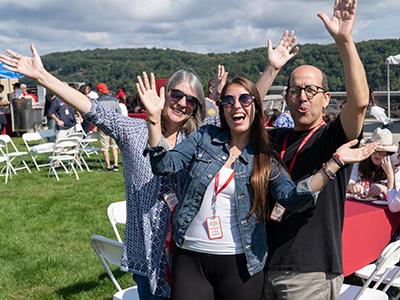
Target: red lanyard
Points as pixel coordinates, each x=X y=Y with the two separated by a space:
x=218 y=191
x=303 y=142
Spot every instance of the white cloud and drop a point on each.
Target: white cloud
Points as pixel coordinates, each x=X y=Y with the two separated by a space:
x=200 y=26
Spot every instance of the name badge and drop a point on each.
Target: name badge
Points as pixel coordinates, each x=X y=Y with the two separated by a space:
x=277 y=212
x=66 y=112
x=214 y=228
x=171 y=200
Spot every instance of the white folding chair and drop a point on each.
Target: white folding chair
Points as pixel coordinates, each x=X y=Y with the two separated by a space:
x=116 y=212
x=388 y=259
x=389 y=277
x=65 y=154
x=80 y=136
x=89 y=149
x=109 y=253
x=36 y=145
x=12 y=152
x=4 y=159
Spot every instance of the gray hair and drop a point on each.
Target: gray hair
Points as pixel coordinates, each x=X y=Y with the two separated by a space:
x=199 y=114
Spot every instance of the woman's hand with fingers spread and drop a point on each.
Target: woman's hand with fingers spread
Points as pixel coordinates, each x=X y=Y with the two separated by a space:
x=286 y=50
x=152 y=102
x=28 y=66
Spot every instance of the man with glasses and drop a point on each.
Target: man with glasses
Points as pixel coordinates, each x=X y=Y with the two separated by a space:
x=305 y=248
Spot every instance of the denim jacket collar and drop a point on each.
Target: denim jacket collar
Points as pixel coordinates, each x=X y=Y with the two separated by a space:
x=223 y=137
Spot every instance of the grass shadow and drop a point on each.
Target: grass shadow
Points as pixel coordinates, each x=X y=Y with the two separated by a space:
x=80 y=287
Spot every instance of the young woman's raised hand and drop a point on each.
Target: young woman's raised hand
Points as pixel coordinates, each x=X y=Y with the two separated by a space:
x=152 y=102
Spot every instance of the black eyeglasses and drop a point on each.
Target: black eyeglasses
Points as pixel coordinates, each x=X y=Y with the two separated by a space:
x=244 y=100
x=191 y=101
x=310 y=90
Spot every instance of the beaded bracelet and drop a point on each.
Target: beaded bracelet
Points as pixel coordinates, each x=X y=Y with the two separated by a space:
x=337 y=160
x=328 y=172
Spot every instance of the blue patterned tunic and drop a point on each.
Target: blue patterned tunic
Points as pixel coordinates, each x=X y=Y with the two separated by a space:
x=147 y=213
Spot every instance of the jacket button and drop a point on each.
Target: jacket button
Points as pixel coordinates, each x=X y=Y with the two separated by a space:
x=224 y=157
x=209 y=176
x=200 y=155
x=247 y=247
x=243 y=222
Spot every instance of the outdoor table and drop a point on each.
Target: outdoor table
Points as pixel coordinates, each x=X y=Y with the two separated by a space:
x=367 y=230
x=138 y=115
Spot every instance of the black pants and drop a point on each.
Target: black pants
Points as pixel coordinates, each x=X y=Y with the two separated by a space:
x=200 y=276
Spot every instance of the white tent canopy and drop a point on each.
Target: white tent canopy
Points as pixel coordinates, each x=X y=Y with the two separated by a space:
x=391 y=60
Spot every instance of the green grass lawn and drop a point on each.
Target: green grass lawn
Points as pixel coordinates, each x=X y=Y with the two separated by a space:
x=46 y=225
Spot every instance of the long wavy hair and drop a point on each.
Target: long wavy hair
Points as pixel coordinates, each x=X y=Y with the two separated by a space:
x=262 y=150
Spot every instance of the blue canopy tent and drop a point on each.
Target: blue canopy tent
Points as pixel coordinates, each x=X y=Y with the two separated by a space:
x=4 y=73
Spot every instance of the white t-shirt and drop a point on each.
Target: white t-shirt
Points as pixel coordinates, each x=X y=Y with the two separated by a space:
x=196 y=238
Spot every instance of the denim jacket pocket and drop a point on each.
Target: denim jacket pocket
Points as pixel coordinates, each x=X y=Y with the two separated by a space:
x=201 y=161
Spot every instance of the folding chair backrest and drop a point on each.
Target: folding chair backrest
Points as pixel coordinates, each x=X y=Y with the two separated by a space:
x=389 y=258
x=116 y=212
x=79 y=135
x=67 y=145
x=109 y=252
x=390 y=255
x=3 y=149
x=30 y=137
x=5 y=140
x=8 y=140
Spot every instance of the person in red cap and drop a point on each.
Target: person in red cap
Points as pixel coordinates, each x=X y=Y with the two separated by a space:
x=106 y=100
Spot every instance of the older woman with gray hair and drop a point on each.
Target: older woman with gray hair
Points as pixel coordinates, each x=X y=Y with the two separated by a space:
x=150 y=198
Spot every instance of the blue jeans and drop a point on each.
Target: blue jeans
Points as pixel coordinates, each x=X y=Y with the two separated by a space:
x=143 y=285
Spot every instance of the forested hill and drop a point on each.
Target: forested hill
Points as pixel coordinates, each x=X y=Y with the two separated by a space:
x=121 y=66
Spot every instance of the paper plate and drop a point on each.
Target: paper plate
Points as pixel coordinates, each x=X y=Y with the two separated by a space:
x=355 y=197
x=380 y=202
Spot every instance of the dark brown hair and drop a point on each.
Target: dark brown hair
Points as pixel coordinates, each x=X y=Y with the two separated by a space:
x=262 y=151
x=369 y=171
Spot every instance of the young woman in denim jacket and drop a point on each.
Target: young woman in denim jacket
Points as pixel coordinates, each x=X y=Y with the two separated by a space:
x=219 y=224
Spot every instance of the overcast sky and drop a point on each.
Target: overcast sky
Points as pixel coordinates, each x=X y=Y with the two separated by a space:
x=193 y=25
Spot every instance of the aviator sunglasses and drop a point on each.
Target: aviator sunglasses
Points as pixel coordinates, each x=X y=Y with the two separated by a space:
x=191 y=101
x=244 y=100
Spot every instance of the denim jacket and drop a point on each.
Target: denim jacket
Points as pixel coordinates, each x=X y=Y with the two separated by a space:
x=202 y=155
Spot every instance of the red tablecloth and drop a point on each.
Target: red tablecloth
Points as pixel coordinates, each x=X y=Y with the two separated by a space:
x=367 y=230
x=138 y=115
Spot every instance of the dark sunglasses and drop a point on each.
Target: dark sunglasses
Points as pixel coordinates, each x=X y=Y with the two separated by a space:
x=244 y=100
x=191 y=101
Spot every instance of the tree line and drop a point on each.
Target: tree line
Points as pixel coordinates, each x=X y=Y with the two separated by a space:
x=120 y=67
